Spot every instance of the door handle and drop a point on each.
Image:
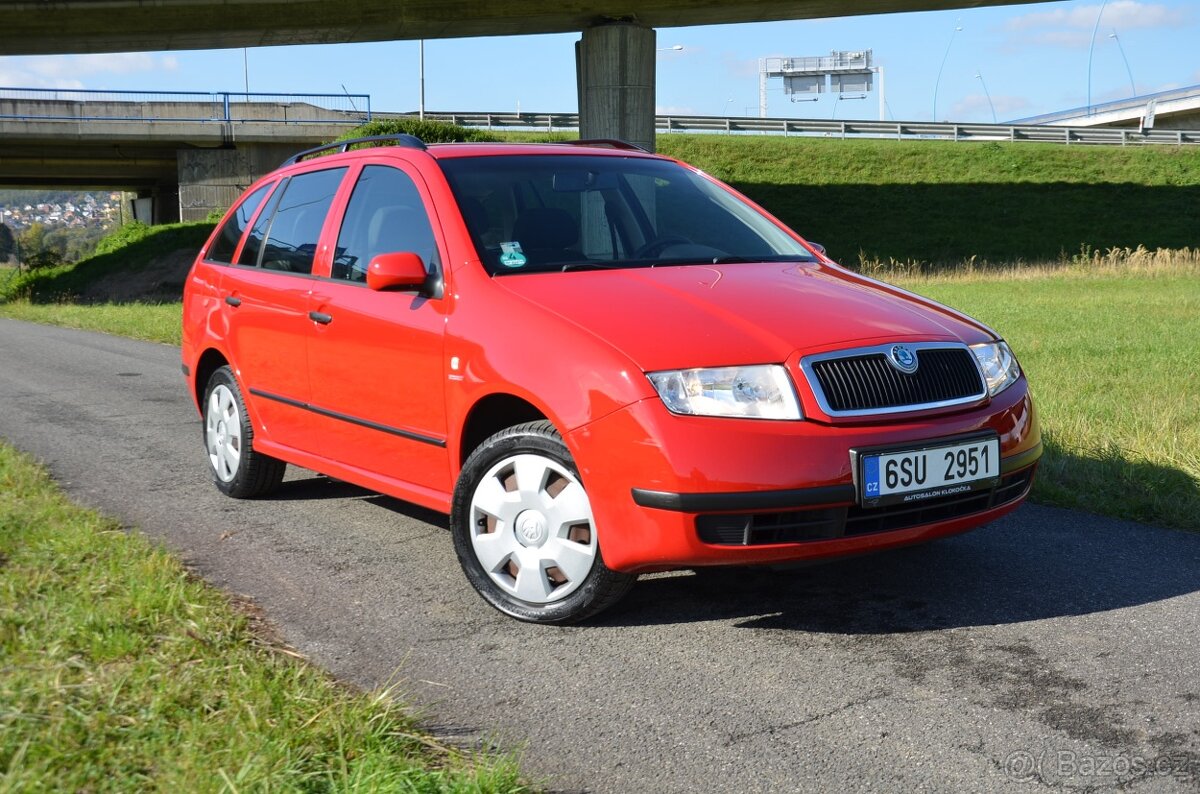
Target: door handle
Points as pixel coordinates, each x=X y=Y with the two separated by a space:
x=320 y=317
x=232 y=301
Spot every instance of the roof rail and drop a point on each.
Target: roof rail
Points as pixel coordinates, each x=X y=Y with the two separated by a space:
x=401 y=139
x=611 y=143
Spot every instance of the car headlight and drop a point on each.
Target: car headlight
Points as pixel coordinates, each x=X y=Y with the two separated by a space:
x=756 y=392
x=999 y=366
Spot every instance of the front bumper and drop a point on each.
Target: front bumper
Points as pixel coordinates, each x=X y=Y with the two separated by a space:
x=670 y=491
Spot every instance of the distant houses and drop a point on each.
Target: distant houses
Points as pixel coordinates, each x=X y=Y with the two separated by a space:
x=81 y=211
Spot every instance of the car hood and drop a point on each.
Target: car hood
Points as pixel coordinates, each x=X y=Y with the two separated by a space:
x=718 y=315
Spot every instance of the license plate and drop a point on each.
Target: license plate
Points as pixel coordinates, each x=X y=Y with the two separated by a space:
x=914 y=475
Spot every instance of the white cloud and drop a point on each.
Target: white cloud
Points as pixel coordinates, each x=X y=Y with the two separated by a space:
x=72 y=71
x=1123 y=14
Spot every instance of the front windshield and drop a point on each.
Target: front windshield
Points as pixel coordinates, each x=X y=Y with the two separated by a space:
x=530 y=213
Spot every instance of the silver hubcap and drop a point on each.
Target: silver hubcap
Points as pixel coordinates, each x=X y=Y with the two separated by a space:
x=531 y=528
x=223 y=433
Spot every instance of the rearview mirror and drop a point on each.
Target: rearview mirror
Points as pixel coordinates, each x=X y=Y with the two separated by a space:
x=579 y=181
x=399 y=270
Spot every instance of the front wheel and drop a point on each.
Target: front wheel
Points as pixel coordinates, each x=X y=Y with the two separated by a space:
x=523 y=530
x=237 y=469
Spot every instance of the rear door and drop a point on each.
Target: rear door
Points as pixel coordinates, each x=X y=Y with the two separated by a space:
x=376 y=369
x=266 y=295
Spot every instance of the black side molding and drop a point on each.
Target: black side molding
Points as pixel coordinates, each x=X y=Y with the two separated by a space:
x=744 y=500
x=354 y=420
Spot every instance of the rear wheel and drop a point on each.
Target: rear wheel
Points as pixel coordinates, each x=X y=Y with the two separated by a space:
x=524 y=533
x=236 y=468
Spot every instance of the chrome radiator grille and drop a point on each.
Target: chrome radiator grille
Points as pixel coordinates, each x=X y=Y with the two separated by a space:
x=864 y=381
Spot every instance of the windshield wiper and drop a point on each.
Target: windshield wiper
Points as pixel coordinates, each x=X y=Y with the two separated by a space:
x=714 y=260
x=725 y=260
x=567 y=268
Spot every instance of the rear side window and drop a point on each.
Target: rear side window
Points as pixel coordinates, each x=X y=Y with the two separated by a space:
x=288 y=241
x=226 y=242
x=385 y=215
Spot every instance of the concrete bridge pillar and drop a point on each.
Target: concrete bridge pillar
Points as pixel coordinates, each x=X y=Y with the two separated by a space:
x=615 y=72
x=212 y=179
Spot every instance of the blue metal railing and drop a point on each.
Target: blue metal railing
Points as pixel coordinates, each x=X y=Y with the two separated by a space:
x=218 y=107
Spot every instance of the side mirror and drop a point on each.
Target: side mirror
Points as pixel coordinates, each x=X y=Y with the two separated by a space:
x=400 y=270
x=820 y=249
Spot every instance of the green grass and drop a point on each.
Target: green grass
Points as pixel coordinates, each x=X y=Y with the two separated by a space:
x=1111 y=360
x=125 y=251
x=943 y=203
x=153 y=322
x=121 y=672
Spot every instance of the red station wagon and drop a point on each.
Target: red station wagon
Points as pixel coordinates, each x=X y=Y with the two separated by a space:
x=600 y=362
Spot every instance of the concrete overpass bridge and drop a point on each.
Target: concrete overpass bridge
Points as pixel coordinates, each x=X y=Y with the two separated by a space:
x=1176 y=109
x=189 y=152
x=614 y=57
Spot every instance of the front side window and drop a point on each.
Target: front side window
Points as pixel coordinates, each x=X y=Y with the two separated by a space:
x=225 y=245
x=285 y=236
x=537 y=213
x=385 y=215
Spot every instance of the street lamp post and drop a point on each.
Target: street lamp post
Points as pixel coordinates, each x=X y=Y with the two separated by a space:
x=1091 y=48
x=1128 y=71
x=986 y=93
x=938 y=82
x=421 y=57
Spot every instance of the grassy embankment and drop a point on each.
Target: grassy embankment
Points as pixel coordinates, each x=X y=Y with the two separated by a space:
x=80 y=295
x=941 y=204
x=120 y=672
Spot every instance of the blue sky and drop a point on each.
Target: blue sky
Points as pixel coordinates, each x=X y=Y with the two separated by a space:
x=1033 y=59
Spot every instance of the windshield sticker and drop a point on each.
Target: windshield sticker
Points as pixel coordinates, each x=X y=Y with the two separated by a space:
x=511 y=255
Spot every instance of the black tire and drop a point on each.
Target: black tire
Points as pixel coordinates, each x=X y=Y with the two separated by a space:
x=226 y=422
x=551 y=536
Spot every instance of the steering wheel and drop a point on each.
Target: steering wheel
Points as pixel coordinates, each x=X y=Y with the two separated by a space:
x=659 y=244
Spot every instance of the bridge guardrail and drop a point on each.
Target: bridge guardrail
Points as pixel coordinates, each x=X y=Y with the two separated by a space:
x=218 y=107
x=230 y=108
x=898 y=130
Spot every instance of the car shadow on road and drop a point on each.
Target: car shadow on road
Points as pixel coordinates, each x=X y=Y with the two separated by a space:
x=320 y=487
x=1037 y=563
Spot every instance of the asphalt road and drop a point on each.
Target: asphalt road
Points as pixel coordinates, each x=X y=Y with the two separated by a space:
x=1051 y=648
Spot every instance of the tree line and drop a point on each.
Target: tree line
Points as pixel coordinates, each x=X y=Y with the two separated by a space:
x=40 y=246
